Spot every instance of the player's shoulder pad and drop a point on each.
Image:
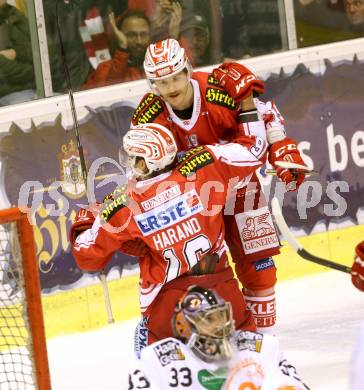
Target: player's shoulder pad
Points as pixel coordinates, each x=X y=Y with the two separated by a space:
x=165 y=351
x=113 y=202
x=195 y=159
x=148 y=109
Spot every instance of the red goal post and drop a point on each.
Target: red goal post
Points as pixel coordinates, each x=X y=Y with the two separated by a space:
x=23 y=351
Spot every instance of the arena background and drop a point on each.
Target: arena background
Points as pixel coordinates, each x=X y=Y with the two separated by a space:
x=319 y=91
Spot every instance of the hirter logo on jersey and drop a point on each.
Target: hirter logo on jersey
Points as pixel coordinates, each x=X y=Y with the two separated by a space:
x=168 y=351
x=220 y=97
x=196 y=162
x=169 y=213
x=257 y=231
x=148 y=110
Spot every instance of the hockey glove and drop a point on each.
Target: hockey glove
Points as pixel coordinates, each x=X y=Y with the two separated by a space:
x=237 y=80
x=285 y=151
x=135 y=248
x=84 y=220
x=357 y=270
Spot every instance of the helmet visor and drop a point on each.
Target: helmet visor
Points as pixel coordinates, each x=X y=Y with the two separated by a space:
x=215 y=322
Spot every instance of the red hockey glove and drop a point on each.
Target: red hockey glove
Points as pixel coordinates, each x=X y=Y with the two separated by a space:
x=83 y=221
x=286 y=151
x=135 y=248
x=238 y=81
x=357 y=270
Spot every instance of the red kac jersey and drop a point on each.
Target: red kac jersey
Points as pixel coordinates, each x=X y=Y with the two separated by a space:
x=214 y=117
x=177 y=214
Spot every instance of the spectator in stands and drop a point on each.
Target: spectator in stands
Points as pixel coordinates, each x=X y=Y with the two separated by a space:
x=166 y=16
x=355 y=12
x=132 y=33
x=165 y=20
x=17 y=83
x=70 y=18
x=250 y=28
x=195 y=38
x=324 y=21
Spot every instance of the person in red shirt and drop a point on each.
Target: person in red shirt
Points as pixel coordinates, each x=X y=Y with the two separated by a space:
x=175 y=209
x=203 y=108
x=132 y=33
x=357 y=270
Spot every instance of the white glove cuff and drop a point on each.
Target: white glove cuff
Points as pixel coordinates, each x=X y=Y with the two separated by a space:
x=275 y=134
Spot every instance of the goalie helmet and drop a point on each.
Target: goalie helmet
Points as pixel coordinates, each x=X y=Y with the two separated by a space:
x=164 y=59
x=152 y=142
x=203 y=321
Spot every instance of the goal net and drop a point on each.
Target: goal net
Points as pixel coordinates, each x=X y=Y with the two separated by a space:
x=23 y=354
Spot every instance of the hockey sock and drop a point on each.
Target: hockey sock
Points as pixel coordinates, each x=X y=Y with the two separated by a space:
x=264 y=311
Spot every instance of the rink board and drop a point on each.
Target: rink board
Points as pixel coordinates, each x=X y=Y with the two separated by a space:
x=83 y=309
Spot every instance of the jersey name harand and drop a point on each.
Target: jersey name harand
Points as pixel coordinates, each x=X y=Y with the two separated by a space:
x=177 y=233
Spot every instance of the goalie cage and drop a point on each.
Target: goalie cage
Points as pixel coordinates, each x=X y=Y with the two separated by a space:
x=23 y=352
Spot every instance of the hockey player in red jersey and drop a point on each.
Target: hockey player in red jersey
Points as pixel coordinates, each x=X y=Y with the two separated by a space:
x=357 y=270
x=203 y=108
x=176 y=211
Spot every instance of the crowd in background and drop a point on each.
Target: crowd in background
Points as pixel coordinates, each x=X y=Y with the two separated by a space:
x=105 y=40
x=325 y=21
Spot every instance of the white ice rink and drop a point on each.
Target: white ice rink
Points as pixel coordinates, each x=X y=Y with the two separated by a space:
x=319 y=320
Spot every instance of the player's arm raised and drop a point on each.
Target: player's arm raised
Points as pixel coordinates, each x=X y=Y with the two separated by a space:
x=95 y=237
x=238 y=81
x=241 y=157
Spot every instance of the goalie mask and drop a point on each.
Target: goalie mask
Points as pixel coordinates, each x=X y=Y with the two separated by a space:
x=164 y=59
x=154 y=144
x=203 y=321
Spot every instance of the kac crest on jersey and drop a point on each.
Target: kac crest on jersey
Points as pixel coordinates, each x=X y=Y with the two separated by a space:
x=70 y=171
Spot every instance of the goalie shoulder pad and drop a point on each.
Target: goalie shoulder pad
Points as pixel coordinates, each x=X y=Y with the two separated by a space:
x=148 y=109
x=113 y=202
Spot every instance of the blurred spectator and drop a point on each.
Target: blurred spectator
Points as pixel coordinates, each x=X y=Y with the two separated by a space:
x=70 y=18
x=195 y=38
x=21 y=6
x=132 y=33
x=165 y=20
x=17 y=82
x=250 y=28
x=355 y=13
x=322 y=21
x=94 y=37
x=166 y=15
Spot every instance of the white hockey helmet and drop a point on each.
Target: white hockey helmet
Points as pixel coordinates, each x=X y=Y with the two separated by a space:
x=152 y=142
x=164 y=59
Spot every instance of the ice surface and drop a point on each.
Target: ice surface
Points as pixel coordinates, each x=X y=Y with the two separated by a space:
x=319 y=320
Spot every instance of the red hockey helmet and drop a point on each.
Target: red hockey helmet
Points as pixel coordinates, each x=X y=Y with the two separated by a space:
x=152 y=142
x=164 y=59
